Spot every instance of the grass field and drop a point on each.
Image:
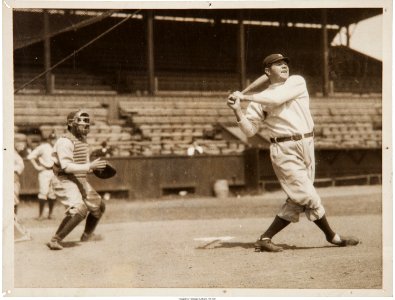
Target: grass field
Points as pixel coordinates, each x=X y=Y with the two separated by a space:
x=208 y=243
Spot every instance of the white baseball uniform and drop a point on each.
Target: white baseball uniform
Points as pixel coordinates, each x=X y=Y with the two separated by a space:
x=43 y=154
x=73 y=190
x=284 y=110
x=19 y=166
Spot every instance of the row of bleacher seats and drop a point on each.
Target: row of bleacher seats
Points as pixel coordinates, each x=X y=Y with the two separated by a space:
x=179 y=121
x=167 y=124
x=152 y=141
x=48 y=114
x=65 y=80
x=355 y=122
x=212 y=147
x=358 y=119
x=168 y=110
x=40 y=110
x=359 y=134
x=119 y=138
x=160 y=135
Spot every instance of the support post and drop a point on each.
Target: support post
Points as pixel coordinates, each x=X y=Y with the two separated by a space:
x=325 y=55
x=241 y=53
x=150 y=52
x=47 y=54
x=348 y=36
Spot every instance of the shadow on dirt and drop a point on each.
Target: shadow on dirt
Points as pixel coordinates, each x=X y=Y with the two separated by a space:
x=293 y=247
x=251 y=246
x=226 y=245
x=71 y=244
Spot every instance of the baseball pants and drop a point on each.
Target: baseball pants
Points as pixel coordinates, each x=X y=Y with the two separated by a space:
x=294 y=165
x=69 y=194
x=45 y=185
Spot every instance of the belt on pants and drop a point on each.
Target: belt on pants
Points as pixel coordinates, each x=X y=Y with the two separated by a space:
x=295 y=137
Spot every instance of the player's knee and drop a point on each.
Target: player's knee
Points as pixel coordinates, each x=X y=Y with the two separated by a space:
x=81 y=210
x=290 y=217
x=99 y=211
x=42 y=196
x=315 y=213
x=96 y=213
x=290 y=213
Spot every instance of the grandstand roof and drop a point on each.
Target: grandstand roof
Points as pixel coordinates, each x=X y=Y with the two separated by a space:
x=338 y=16
x=28 y=29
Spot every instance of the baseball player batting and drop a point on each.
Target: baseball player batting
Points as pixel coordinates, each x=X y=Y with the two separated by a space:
x=71 y=165
x=284 y=109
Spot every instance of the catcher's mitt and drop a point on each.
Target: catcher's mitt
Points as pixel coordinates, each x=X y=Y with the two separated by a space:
x=108 y=172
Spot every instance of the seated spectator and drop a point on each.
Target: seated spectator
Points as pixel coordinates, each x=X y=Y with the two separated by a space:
x=104 y=151
x=194 y=149
x=147 y=152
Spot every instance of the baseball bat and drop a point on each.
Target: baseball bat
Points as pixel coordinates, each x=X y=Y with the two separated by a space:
x=257 y=82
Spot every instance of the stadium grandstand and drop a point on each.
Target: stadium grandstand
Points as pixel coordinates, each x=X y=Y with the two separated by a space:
x=156 y=80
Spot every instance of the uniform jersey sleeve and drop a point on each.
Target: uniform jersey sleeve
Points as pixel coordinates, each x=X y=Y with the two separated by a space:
x=291 y=89
x=19 y=166
x=36 y=153
x=64 y=152
x=249 y=123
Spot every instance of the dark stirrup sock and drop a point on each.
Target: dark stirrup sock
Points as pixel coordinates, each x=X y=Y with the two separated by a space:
x=68 y=226
x=41 y=204
x=324 y=226
x=64 y=222
x=277 y=225
x=90 y=225
x=51 y=204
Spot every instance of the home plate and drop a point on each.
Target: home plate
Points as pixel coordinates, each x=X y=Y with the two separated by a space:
x=214 y=238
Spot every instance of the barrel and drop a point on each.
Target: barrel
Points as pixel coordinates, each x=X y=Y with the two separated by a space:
x=221 y=188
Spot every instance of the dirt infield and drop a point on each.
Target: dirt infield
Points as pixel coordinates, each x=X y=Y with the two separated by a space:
x=208 y=243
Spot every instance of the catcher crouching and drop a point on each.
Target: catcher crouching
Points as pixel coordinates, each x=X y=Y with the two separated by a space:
x=71 y=166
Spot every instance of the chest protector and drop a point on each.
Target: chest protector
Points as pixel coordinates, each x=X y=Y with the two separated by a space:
x=80 y=155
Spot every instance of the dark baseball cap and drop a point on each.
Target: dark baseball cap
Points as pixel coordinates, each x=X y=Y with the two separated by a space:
x=272 y=58
x=71 y=115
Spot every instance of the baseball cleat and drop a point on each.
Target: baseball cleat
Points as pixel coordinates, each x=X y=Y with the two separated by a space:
x=344 y=241
x=266 y=244
x=90 y=237
x=54 y=245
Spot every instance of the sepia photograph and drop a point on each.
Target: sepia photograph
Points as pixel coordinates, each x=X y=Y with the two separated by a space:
x=197 y=150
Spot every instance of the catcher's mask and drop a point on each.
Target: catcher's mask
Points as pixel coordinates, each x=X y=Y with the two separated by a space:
x=78 y=122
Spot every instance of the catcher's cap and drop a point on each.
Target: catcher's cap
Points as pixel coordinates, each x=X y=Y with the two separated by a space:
x=272 y=58
x=70 y=116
